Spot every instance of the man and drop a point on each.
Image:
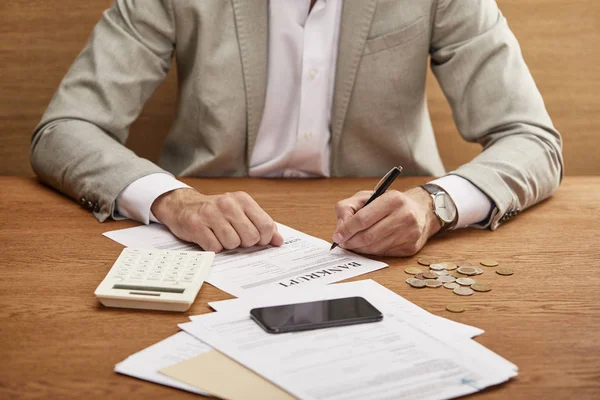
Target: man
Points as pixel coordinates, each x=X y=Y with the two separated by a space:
x=301 y=88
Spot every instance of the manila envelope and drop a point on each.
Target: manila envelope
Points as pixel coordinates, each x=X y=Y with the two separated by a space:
x=219 y=375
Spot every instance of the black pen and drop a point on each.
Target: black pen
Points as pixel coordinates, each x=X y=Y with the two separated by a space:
x=380 y=189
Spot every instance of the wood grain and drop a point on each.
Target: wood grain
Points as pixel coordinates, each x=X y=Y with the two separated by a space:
x=40 y=40
x=59 y=342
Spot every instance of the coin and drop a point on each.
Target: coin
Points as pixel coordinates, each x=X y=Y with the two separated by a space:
x=450 y=266
x=489 y=263
x=463 y=291
x=441 y=273
x=467 y=271
x=445 y=279
x=505 y=271
x=430 y=275
x=478 y=270
x=413 y=270
x=416 y=283
x=432 y=283
x=481 y=287
x=437 y=267
x=420 y=276
x=464 y=264
x=457 y=275
x=456 y=308
x=465 y=281
x=426 y=262
x=451 y=285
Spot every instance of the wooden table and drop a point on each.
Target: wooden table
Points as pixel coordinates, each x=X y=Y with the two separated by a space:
x=58 y=342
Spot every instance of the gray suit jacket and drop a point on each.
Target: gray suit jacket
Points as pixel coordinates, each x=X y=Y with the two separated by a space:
x=380 y=115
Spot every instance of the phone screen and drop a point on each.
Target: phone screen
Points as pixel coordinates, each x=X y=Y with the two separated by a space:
x=315 y=315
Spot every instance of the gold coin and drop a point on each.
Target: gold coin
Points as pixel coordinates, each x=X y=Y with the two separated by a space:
x=432 y=283
x=456 y=308
x=430 y=275
x=420 y=276
x=505 y=271
x=451 y=285
x=464 y=264
x=450 y=266
x=463 y=291
x=489 y=263
x=426 y=262
x=413 y=270
x=481 y=287
x=457 y=275
x=467 y=270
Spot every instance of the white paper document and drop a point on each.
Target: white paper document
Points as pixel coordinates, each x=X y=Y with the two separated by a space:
x=303 y=261
x=146 y=363
x=401 y=307
x=402 y=357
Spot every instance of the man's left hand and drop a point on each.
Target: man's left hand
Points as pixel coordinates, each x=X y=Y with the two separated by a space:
x=394 y=224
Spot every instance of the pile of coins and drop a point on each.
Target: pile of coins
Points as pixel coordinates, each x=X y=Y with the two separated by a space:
x=456 y=276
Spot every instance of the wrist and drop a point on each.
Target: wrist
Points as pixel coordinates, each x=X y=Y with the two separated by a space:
x=169 y=202
x=424 y=200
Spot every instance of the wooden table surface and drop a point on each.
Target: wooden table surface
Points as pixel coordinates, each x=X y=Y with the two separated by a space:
x=59 y=342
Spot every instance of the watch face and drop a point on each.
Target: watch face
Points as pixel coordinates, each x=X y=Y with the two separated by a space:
x=445 y=208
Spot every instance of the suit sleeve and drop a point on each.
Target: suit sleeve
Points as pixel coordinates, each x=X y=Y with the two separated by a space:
x=495 y=102
x=78 y=146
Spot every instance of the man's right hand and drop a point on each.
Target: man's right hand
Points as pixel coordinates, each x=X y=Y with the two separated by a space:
x=218 y=222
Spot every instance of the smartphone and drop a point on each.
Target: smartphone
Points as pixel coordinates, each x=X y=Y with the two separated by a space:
x=315 y=315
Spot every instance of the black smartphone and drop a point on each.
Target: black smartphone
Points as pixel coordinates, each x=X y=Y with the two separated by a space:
x=315 y=315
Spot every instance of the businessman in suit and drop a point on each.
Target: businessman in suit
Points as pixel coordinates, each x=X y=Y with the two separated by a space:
x=301 y=89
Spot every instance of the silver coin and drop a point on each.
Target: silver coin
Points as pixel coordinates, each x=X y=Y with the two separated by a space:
x=432 y=283
x=437 y=267
x=451 y=285
x=478 y=270
x=441 y=273
x=416 y=283
x=465 y=281
x=446 y=278
x=467 y=270
x=463 y=291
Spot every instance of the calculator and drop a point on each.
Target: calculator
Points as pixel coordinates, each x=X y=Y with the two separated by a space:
x=155 y=279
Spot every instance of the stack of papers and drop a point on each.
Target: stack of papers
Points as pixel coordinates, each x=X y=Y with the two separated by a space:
x=410 y=354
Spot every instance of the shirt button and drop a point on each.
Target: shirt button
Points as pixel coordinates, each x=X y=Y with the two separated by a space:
x=313 y=73
x=308 y=136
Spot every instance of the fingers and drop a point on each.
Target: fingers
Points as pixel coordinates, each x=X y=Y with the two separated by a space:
x=404 y=239
x=344 y=209
x=206 y=239
x=372 y=235
x=368 y=216
x=263 y=222
x=277 y=239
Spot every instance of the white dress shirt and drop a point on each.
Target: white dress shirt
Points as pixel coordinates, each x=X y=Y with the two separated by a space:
x=294 y=135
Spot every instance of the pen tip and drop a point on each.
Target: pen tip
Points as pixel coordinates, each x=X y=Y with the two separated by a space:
x=333 y=246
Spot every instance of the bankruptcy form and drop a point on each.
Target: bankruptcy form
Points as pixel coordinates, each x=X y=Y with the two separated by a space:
x=302 y=261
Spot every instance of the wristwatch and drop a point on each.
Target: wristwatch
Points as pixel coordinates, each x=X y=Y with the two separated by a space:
x=443 y=206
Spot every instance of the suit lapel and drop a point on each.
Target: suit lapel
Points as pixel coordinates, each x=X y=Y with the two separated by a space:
x=355 y=25
x=251 y=19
